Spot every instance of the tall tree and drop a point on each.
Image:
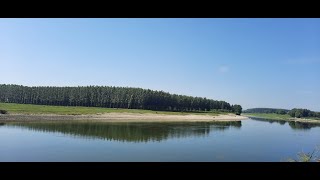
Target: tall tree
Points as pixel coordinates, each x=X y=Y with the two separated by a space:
x=107 y=96
x=237 y=109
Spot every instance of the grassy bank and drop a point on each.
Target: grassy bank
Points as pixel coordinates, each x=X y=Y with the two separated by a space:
x=13 y=108
x=274 y=116
x=269 y=116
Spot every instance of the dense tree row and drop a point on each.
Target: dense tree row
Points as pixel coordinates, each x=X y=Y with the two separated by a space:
x=266 y=110
x=298 y=113
x=111 y=97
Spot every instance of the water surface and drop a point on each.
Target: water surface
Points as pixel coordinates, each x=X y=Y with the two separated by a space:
x=249 y=140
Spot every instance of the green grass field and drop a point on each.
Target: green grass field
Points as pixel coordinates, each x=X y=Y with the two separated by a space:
x=315 y=118
x=72 y=110
x=275 y=116
x=269 y=116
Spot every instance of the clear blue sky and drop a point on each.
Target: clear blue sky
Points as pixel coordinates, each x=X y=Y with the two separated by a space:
x=252 y=62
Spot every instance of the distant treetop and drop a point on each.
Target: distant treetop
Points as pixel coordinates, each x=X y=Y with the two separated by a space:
x=267 y=110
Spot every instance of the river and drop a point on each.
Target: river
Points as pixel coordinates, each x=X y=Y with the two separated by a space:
x=248 y=140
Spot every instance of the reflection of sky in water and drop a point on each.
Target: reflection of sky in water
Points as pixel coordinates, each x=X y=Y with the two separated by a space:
x=252 y=140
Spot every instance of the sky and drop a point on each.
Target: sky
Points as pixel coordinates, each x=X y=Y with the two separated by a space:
x=252 y=62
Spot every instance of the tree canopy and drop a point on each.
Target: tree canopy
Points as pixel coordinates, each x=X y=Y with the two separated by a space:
x=296 y=112
x=237 y=109
x=267 y=110
x=299 y=113
x=109 y=96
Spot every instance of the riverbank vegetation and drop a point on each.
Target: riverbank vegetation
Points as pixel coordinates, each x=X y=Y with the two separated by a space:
x=313 y=156
x=111 y=97
x=14 y=108
x=266 y=110
x=268 y=116
x=3 y=111
x=285 y=114
x=282 y=117
x=237 y=109
x=304 y=113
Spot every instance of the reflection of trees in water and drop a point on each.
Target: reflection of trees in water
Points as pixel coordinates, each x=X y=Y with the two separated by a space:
x=292 y=124
x=302 y=126
x=281 y=122
x=133 y=132
x=1 y=124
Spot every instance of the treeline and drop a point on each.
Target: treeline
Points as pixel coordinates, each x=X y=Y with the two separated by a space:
x=267 y=110
x=298 y=113
x=110 y=97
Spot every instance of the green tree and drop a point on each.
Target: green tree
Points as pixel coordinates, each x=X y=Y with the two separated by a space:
x=108 y=96
x=237 y=109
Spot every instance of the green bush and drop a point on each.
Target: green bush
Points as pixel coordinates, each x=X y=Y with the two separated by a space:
x=237 y=109
x=307 y=157
x=3 y=112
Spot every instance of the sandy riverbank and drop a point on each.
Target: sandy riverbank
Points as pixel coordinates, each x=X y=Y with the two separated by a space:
x=123 y=117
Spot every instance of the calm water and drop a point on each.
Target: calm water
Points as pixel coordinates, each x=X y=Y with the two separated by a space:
x=249 y=140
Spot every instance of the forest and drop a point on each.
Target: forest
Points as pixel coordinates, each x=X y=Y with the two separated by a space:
x=110 y=97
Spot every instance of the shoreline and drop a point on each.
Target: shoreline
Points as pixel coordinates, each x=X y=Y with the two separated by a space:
x=300 y=120
x=121 y=117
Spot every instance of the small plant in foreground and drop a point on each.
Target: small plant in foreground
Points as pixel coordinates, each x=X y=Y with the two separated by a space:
x=307 y=157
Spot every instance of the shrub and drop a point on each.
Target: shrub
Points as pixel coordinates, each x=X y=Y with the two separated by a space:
x=307 y=157
x=3 y=112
